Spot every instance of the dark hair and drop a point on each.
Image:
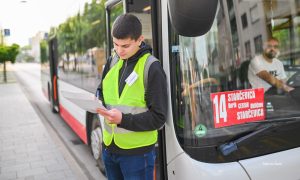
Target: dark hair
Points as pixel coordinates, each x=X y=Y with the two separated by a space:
x=127 y=26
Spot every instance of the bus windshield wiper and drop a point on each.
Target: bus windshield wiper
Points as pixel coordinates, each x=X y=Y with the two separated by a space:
x=229 y=147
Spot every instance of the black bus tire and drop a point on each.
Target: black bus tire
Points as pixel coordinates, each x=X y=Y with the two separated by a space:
x=96 y=142
x=50 y=97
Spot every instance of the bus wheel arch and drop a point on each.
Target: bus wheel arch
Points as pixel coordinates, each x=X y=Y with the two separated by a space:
x=51 y=100
x=95 y=139
x=48 y=91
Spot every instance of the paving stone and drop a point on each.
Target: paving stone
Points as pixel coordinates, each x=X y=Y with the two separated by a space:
x=29 y=178
x=15 y=168
x=29 y=172
x=43 y=163
x=9 y=175
x=27 y=152
x=57 y=167
x=59 y=175
x=7 y=163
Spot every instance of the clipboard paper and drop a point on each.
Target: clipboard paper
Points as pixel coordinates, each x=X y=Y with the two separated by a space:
x=84 y=101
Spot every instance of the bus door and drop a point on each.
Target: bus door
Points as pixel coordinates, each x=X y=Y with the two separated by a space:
x=52 y=89
x=148 y=12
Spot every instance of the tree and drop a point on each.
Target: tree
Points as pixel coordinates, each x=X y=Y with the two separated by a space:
x=93 y=15
x=8 y=53
x=44 y=51
x=84 y=30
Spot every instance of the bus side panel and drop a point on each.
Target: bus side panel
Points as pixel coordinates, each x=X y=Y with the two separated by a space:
x=181 y=166
x=79 y=129
x=271 y=166
x=45 y=72
x=72 y=114
x=184 y=167
x=53 y=60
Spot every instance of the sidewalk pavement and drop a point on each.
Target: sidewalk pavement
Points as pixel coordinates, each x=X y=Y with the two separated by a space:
x=27 y=151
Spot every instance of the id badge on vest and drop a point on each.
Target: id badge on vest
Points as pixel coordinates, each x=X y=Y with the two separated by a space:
x=131 y=78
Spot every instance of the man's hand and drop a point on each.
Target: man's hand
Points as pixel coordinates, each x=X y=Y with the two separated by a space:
x=113 y=116
x=279 y=84
x=287 y=88
x=284 y=86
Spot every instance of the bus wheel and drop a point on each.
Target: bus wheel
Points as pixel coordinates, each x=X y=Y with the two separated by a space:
x=51 y=100
x=53 y=106
x=96 y=143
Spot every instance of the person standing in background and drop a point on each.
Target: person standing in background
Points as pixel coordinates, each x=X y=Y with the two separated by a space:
x=267 y=71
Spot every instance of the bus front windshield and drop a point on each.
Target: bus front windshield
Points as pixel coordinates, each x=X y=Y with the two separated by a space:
x=237 y=78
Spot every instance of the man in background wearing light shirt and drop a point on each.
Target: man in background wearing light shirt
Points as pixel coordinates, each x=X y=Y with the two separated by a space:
x=267 y=71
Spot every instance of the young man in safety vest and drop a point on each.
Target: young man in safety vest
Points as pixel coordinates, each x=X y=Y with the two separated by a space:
x=134 y=91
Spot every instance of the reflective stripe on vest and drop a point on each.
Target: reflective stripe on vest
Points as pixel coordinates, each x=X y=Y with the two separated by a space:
x=131 y=100
x=125 y=110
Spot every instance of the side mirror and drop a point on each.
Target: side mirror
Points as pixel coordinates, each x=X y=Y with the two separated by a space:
x=192 y=17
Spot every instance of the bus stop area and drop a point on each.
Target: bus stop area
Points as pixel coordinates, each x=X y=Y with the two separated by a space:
x=28 y=148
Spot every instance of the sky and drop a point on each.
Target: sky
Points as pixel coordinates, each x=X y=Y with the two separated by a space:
x=25 y=18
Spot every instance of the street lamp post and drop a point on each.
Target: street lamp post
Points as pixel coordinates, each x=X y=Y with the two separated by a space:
x=6 y=33
x=2 y=36
x=4 y=65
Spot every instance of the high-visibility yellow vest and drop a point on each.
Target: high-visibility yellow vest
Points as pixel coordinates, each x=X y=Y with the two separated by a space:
x=131 y=100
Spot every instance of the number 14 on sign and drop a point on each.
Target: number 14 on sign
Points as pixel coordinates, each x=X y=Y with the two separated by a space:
x=219 y=103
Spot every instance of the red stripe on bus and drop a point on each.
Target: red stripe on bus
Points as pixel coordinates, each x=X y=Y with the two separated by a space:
x=77 y=127
x=54 y=88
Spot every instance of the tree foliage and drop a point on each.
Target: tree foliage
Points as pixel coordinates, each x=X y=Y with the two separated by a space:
x=9 y=53
x=82 y=31
x=44 y=51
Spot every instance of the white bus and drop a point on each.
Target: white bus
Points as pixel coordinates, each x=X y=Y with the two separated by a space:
x=218 y=126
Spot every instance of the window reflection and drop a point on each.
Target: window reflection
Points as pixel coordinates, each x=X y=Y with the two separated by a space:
x=219 y=60
x=115 y=11
x=81 y=46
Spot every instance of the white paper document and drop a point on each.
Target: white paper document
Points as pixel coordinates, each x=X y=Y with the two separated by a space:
x=84 y=101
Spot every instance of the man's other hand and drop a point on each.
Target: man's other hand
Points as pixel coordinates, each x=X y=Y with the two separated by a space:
x=287 y=88
x=113 y=116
